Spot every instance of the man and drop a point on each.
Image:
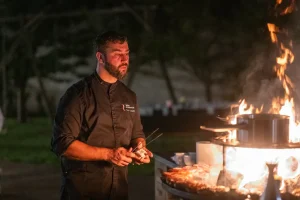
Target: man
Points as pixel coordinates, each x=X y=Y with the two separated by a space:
x=96 y=127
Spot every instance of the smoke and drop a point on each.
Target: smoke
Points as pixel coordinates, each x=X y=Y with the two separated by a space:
x=294 y=74
x=259 y=81
x=261 y=85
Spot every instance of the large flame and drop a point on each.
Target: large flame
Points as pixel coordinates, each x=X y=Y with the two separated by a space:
x=285 y=105
x=246 y=160
x=251 y=162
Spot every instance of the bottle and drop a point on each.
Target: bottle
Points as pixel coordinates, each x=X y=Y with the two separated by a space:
x=271 y=191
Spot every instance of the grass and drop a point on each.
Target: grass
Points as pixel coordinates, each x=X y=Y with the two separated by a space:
x=30 y=143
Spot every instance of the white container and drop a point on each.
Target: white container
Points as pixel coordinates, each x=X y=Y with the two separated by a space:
x=209 y=153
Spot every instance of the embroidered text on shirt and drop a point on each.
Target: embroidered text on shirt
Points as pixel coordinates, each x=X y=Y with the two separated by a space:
x=128 y=108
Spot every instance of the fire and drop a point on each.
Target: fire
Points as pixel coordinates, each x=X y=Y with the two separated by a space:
x=243 y=108
x=246 y=160
x=289 y=109
x=288 y=9
x=253 y=167
x=250 y=163
x=285 y=105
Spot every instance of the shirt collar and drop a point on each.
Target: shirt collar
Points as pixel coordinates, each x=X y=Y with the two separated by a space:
x=102 y=82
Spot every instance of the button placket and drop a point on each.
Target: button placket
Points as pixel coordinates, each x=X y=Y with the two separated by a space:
x=113 y=113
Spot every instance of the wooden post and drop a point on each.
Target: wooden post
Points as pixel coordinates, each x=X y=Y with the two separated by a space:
x=39 y=78
x=165 y=73
x=4 y=78
x=55 y=29
x=20 y=89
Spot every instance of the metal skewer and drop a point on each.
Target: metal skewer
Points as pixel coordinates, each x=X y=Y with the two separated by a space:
x=151 y=133
x=145 y=139
x=151 y=141
x=154 y=139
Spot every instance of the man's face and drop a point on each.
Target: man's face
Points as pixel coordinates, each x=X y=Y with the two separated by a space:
x=117 y=59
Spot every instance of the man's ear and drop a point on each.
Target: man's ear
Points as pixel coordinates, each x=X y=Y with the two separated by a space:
x=100 y=57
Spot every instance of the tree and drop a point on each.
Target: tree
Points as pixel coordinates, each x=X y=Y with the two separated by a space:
x=217 y=39
x=64 y=37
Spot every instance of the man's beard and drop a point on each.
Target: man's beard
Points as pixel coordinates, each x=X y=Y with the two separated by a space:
x=114 y=70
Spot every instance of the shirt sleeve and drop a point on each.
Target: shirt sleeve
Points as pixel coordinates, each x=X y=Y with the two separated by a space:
x=67 y=122
x=137 y=124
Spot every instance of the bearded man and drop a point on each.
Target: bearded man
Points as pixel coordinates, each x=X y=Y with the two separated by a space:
x=97 y=124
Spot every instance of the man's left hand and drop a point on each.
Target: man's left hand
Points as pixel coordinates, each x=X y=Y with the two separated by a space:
x=141 y=157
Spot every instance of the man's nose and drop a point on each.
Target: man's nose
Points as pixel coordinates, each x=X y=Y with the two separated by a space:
x=124 y=57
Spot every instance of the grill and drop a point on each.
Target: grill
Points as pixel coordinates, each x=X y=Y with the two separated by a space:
x=239 y=169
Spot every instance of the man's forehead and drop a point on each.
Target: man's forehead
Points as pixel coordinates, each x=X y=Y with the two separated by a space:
x=117 y=46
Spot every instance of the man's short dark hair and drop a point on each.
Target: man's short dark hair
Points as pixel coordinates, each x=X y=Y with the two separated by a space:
x=108 y=36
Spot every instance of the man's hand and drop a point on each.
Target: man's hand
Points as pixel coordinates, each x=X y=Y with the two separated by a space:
x=142 y=154
x=121 y=156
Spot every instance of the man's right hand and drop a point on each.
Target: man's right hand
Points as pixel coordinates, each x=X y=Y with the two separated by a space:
x=121 y=156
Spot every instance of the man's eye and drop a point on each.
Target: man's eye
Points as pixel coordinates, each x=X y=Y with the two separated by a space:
x=121 y=54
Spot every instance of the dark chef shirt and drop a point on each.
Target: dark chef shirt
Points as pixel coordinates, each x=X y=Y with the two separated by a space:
x=102 y=115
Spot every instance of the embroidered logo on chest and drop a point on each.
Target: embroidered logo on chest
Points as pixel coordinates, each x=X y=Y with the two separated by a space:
x=128 y=108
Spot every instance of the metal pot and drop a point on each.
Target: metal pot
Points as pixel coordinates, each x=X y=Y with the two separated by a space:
x=263 y=129
x=258 y=129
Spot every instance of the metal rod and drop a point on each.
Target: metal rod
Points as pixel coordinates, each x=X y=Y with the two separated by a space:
x=151 y=133
x=145 y=139
x=224 y=161
x=154 y=139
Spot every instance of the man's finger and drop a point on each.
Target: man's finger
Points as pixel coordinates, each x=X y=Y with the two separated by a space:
x=130 y=154
x=127 y=162
x=149 y=152
x=126 y=159
x=117 y=162
x=123 y=163
x=122 y=149
x=140 y=145
x=146 y=160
